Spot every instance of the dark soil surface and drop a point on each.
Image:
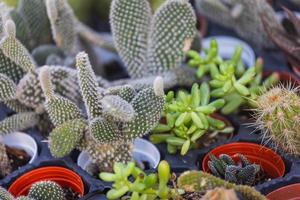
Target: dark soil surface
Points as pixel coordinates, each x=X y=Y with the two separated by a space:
x=71 y=195
x=17 y=157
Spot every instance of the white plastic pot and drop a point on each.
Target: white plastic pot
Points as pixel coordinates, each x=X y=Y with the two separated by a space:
x=227 y=46
x=22 y=141
x=143 y=151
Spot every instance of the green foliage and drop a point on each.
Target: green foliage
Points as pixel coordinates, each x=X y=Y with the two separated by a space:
x=46 y=190
x=130 y=181
x=225 y=167
x=201 y=182
x=150 y=45
x=188 y=118
x=278 y=116
x=229 y=78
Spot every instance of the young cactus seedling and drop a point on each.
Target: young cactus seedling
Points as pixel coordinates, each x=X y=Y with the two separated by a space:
x=229 y=78
x=142 y=186
x=225 y=167
x=188 y=118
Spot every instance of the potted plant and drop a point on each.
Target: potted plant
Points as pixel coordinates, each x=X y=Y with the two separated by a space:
x=244 y=163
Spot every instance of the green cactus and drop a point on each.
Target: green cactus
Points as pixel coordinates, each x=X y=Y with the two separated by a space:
x=241 y=16
x=5 y=195
x=229 y=79
x=188 y=119
x=278 y=116
x=24 y=198
x=5 y=165
x=140 y=38
x=112 y=124
x=224 y=167
x=198 y=181
x=143 y=186
x=46 y=190
x=62 y=22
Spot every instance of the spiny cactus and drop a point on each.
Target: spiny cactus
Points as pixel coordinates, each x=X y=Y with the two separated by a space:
x=242 y=16
x=229 y=79
x=24 y=94
x=5 y=166
x=199 y=181
x=225 y=167
x=105 y=136
x=188 y=118
x=278 y=116
x=24 y=198
x=152 y=45
x=286 y=38
x=46 y=190
x=5 y=195
x=220 y=193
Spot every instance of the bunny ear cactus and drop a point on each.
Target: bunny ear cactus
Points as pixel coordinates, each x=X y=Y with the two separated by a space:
x=188 y=119
x=220 y=194
x=278 y=116
x=224 y=167
x=198 y=181
x=113 y=122
x=62 y=22
x=229 y=79
x=241 y=16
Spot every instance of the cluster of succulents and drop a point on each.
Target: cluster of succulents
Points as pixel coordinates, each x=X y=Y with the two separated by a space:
x=142 y=186
x=42 y=190
x=230 y=79
x=243 y=173
x=188 y=116
x=131 y=182
x=115 y=116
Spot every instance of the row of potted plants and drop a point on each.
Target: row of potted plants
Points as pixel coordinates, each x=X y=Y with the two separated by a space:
x=199 y=129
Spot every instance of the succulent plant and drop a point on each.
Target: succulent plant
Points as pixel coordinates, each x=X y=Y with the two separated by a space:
x=220 y=193
x=198 y=181
x=188 y=118
x=46 y=190
x=286 y=38
x=241 y=16
x=20 y=87
x=5 y=166
x=115 y=116
x=225 y=167
x=278 y=116
x=142 y=186
x=230 y=80
x=5 y=195
x=152 y=45
x=24 y=198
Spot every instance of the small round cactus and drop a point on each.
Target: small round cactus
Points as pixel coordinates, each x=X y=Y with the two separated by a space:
x=278 y=115
x=5 y=195
x=46 y=190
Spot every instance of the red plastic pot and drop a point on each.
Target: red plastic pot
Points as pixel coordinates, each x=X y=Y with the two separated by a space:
x=284 y=77
x=289 y=192
x=64 y=177
x=270 y=161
